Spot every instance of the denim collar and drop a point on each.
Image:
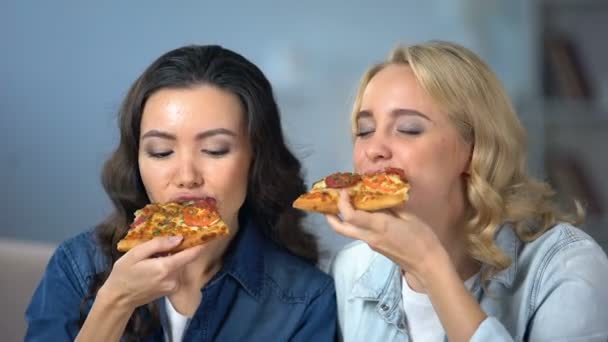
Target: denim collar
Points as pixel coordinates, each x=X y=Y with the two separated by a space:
x=244 y=259
x=381 y=283
x=376 y=279
x=507 y=240
x=382 y=276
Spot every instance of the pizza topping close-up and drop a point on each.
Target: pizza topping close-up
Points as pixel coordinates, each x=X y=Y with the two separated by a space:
x=383 y=182
x=373 y=191
x=396 y=171
x=342 y=180
x=198 y=221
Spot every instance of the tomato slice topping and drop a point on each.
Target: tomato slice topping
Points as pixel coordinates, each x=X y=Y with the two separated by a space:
x=342 y=180
x=379 y=182
x=194 y=216
x=208 y=202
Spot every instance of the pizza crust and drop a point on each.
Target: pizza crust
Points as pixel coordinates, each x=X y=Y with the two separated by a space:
x=378 y=201
x=203 y=236
x=194 y=238
x=328 y=204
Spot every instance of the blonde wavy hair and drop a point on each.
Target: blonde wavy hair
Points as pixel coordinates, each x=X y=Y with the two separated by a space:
x=499 y=189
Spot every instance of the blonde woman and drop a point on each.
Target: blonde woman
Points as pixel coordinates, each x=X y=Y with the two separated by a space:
x=479 y=252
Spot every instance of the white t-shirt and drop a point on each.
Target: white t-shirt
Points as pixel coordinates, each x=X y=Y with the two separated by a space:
x=423 y=323
x=177 y=323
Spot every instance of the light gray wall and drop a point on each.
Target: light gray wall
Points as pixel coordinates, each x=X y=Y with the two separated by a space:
x=65 y=66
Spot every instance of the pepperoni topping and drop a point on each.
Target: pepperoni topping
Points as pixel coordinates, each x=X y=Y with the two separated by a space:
x=341 y=180
x=139 y=220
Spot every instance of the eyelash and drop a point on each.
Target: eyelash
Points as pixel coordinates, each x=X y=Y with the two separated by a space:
x=216 y=153
x=363 y=134
x=159 y=155
x=403 y=131
x=212 y=153
x=410 y=131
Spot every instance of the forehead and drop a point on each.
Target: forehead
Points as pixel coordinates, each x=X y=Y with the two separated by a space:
x=396 y=86
x=184 y=108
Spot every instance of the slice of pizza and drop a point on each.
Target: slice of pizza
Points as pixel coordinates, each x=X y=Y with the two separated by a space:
x=369 y=192
x=197 y=221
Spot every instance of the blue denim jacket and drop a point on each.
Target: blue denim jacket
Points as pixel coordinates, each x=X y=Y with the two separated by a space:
x=262 y=293
x=555 y=290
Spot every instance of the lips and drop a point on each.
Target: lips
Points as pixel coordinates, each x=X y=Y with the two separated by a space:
x=370 y=171
x=190 y=197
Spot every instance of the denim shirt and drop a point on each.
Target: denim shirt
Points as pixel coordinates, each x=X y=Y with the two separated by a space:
x=262 y=293
x=556 y=289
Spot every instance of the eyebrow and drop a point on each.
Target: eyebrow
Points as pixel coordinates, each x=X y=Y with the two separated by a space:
x=394 y=113
x=154 y=133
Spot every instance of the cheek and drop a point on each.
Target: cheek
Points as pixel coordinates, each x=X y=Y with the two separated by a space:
x=230 y=183
x=150 y=178
x=457 y=154
x=144 y=171
x=425 y=167
x=236 y=178
x=358 y=155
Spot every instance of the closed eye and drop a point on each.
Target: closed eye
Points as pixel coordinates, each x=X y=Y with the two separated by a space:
x=160 y=155
x=412 y=131
x=363 y=134
x=216 y=153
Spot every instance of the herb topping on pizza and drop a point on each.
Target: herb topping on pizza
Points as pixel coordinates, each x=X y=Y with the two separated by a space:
x=197 y=221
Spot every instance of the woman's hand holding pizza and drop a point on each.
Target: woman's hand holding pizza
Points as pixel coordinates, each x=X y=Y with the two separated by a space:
x=364 y=203
x=403 y=238
x=139 y=277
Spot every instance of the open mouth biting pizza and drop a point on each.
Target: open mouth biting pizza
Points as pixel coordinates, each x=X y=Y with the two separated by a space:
x=197 y=221
x=369 y=192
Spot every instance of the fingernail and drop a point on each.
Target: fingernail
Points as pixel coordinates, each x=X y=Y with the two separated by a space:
x=175 y=239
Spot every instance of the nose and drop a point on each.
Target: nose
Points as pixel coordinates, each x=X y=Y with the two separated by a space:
x=188 y=175
x=378 y=149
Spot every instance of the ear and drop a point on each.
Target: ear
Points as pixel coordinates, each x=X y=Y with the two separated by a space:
x=467 y=166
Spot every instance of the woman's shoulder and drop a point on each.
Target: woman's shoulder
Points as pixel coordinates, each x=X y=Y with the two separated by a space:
x=293 y=276
x=564 y=251
x=83 y=252
x=564 y=267
x=563 y=237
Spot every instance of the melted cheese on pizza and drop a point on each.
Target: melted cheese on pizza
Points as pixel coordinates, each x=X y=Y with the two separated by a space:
x=172 y=219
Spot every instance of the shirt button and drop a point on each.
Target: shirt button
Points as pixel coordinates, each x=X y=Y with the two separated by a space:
x=384 y=307
x=401 y=326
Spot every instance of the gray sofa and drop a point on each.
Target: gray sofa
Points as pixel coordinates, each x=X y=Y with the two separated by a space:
x=22 y=264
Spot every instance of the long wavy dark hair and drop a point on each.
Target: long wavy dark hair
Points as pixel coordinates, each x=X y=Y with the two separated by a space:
x=274 y=180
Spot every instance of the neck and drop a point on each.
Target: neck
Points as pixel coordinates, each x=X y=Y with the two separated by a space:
x=453 y=236
x=198 y=273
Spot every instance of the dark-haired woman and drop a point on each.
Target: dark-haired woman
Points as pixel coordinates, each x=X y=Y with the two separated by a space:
x=201 y=121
